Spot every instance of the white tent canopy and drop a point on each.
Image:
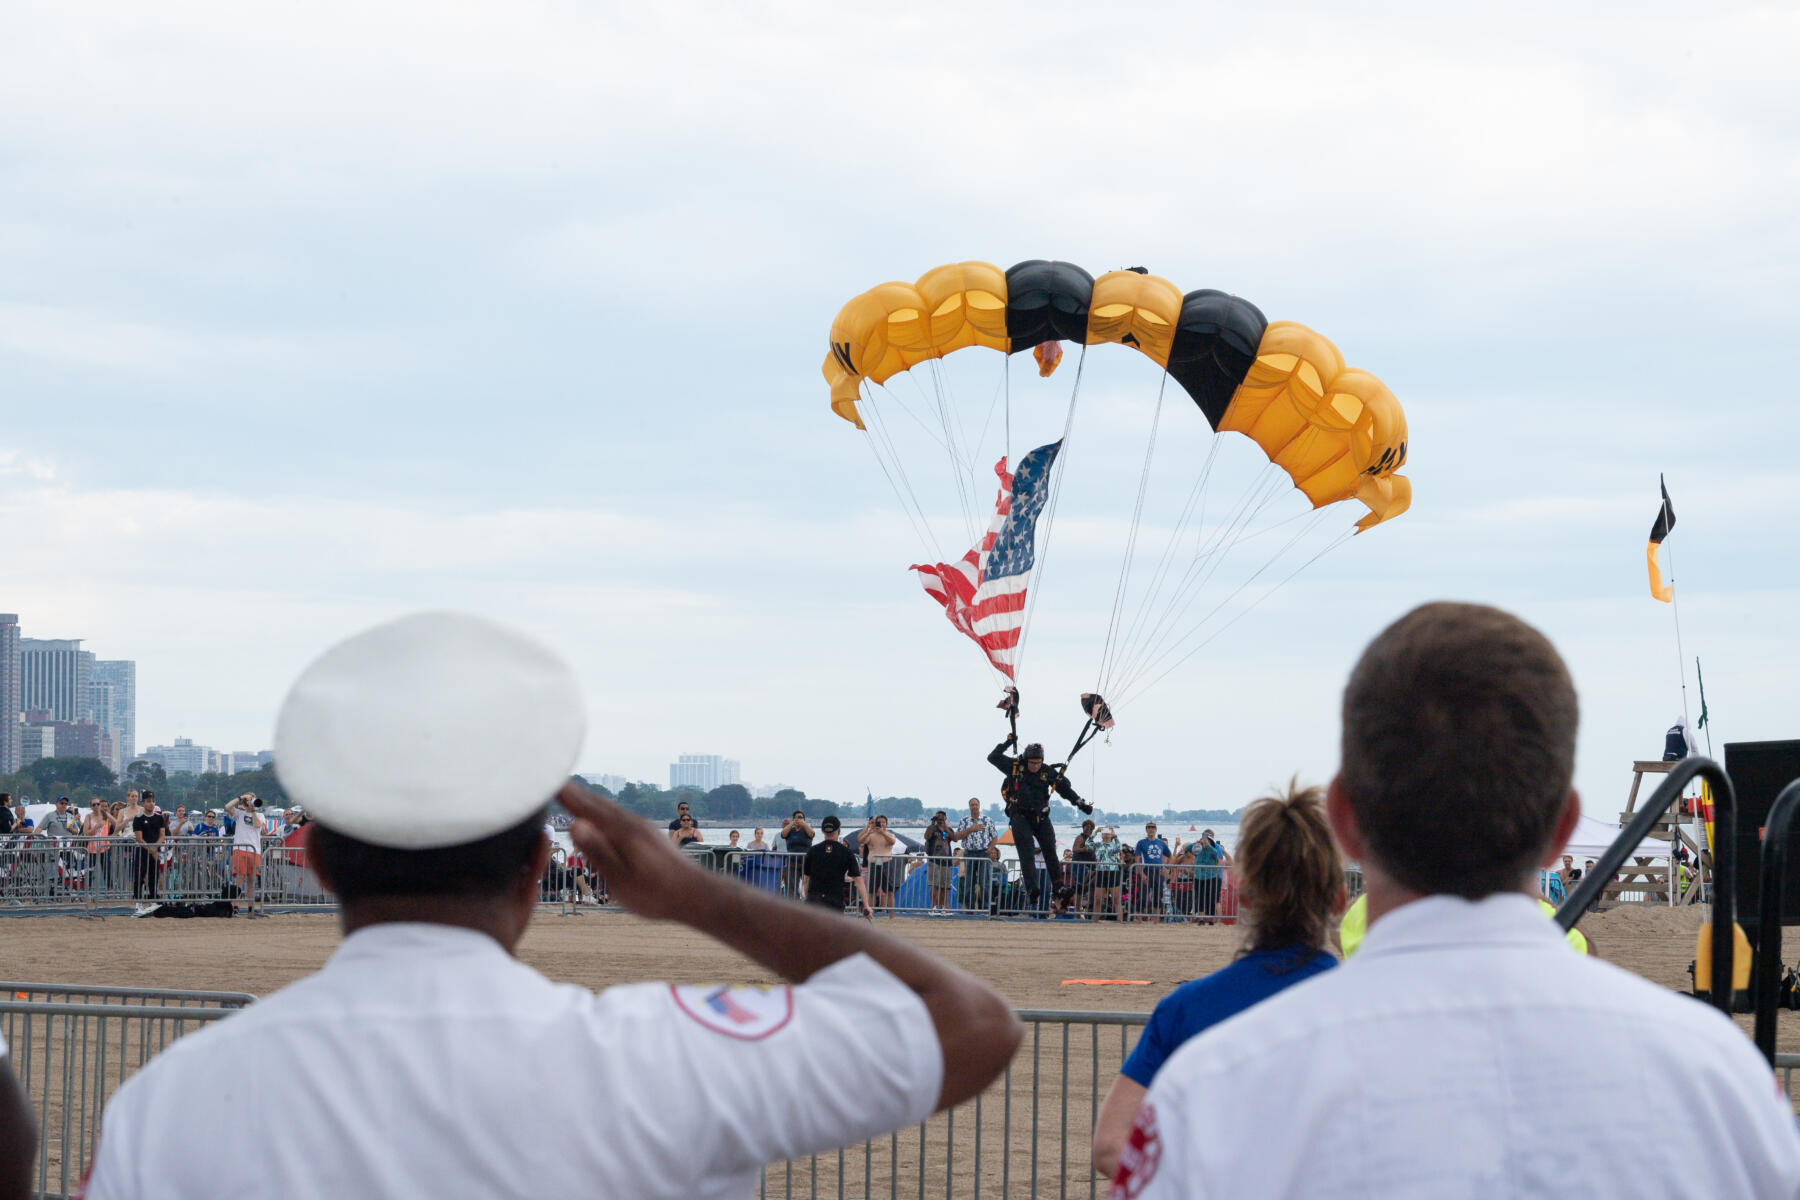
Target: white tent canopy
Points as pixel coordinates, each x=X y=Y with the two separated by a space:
x=1593 y=836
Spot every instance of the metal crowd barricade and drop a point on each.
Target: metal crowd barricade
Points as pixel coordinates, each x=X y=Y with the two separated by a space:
x=70 y=1057
x=285 y=882
x=89 y=877
x=1027 y=1136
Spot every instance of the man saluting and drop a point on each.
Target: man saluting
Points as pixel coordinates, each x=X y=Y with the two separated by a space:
x=1027 y=794
x=424 y=1060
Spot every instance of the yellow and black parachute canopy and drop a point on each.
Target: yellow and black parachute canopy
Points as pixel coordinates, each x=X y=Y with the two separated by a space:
x=1335 y=430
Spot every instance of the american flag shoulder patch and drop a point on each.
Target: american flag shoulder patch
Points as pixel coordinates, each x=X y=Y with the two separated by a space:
x=749 y=1014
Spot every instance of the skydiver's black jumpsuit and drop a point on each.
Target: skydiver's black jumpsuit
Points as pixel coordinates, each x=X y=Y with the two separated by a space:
x=1027 y=795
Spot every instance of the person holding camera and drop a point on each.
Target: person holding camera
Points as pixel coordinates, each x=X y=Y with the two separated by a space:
x=879 y=864
x=939 y=868
x=797 y=838
x=246 y=846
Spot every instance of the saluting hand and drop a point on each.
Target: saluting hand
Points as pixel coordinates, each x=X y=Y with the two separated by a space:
x=646 y=873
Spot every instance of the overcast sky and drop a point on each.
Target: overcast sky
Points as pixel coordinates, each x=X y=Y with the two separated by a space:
x=312 y=315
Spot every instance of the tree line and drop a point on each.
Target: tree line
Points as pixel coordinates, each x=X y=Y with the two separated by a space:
x=730 y=802
x=87 y=779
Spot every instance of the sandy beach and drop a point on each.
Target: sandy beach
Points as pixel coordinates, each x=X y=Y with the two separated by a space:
x=1027 y=961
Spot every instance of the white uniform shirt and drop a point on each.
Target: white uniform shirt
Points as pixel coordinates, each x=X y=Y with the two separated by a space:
x=1466 y=1051
x=423 y=1061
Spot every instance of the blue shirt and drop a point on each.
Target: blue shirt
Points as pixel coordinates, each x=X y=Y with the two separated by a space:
x=204 y=830
x=1199 y=1004
x=1151 y=851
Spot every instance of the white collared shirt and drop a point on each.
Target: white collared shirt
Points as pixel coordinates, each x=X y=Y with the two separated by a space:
x=424 y=1061
x=1466 y=1051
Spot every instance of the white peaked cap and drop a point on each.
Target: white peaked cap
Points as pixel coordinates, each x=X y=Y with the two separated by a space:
x=433 y=730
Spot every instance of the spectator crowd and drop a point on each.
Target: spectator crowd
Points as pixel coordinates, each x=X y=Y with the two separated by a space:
x=134 y=847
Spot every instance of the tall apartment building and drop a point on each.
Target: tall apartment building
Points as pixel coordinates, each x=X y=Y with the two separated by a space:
x=37 y=741
x=119 y=718
x=12 y=700
x=703 y=771
x=55 y=674
x=239 y=761
x=182 y=756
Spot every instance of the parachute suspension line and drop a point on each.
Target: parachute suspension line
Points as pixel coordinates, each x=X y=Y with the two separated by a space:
x=1196 y=496
x=1157 y=647
x=1208 y=554
x=978 y=460
x=1328 y=548
x=900 y=402
x=1006 y=359
x=921 y=525
x=877 y=427
x=1163 y=652
x=1048 y=518
x=958 y=463
x=1102 y=681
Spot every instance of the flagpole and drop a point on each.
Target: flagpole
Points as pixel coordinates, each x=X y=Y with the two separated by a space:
x=1681 y=665
x=1680 y=654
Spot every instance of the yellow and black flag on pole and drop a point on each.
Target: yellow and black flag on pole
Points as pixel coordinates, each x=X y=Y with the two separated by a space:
x=1665 y=521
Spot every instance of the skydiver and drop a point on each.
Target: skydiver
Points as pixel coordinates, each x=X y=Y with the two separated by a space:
x=1027 y=794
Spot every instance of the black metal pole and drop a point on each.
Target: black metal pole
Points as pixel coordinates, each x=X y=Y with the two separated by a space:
x=1765 y=977
x=1724 y=917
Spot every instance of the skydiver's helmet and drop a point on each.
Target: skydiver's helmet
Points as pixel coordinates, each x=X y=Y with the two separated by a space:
x=1034 y=750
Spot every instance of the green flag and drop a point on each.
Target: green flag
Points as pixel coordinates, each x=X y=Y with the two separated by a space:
x=1701 y=723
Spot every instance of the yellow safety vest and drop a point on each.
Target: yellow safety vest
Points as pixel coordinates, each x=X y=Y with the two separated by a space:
x=1356 y=923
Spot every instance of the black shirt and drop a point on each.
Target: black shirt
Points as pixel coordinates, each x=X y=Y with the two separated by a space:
x=797 y=839
x=828 y=866
x=1029 y=791
x=152 y=827
x=6 y=819
x=675 y=824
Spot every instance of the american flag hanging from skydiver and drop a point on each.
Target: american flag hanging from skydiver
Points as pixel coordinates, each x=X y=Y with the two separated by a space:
x=983 y=594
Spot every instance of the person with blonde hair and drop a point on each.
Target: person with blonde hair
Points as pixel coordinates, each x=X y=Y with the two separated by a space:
x=1290 y=885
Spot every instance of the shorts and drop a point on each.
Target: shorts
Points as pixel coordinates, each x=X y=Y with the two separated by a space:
x=1106 y=877
x=939 y=874
x=244 y=862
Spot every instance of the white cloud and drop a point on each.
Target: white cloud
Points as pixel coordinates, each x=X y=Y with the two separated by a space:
x=561 y=274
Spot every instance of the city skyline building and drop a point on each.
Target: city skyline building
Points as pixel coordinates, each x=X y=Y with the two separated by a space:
x=36 y=740
x=12 y=700
x=184 y=755
x=703 y=771
x=236 y=762
x=120 y=716
x=102 y=703
x=54 y=676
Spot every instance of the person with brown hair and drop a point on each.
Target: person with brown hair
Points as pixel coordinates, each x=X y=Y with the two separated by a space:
x=1419 y=1067
x=1291 y=882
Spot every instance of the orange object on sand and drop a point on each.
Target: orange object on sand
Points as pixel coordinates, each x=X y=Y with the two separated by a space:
x=1109 y=982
